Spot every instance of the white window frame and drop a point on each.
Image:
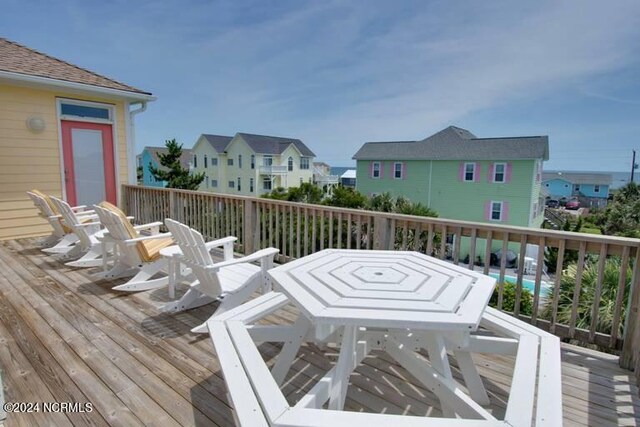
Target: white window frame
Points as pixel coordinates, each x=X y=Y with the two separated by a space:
x=239 y=161
x=253 y=161
x=596 y=188
x=493 y=202
x=265 y=180
x=267 y=161
x=251 y=185
x=305 y=164
x=214 y=161
x=576 y=187
x=239 y=184
x=109 y=107
x=373 y=170
x=206 y=161
x=290 y=164
x=504 y=172
x=473 y=177
x=214 y=183
x=231 y=184
x=395 y=170
x=230 y=161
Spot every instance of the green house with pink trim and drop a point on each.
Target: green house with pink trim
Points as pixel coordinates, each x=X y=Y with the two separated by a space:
x=461 y=176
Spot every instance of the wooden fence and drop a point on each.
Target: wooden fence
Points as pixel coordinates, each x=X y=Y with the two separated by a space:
x=300 y=229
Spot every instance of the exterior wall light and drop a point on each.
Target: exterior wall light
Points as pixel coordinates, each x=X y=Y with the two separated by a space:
x=36 y=124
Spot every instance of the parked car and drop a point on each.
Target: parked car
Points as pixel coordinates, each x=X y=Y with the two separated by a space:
x=553 y=203
x=572 y=204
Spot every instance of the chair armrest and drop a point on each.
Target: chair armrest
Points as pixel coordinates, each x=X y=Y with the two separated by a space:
x=85 y=213
x=78 y=208
x=220 y=242
x=88 y=224
x=55 y=217
x=263 y=255
x=143 y=238
x=145 y=226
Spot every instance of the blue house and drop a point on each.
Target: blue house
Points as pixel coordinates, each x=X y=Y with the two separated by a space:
x=150 y=156
x=591 y=188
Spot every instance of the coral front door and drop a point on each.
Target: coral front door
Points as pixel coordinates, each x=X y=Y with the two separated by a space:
x=89 y=169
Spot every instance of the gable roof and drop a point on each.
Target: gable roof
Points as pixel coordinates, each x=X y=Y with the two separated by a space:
x=154 y=152
x=217 y=142
x=579 y=177
x=454 y=143
x=263 y=144
x=19 y=59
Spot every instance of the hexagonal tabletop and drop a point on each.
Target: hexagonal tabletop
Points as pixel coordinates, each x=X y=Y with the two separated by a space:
x=390 y=289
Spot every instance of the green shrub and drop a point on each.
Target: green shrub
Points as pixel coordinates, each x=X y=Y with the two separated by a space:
x=509 y=299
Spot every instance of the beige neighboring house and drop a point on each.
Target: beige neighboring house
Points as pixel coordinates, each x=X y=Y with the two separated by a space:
x=250 y=164
x=64 y=130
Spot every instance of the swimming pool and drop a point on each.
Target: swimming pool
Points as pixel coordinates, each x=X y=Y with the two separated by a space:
x=530 y=285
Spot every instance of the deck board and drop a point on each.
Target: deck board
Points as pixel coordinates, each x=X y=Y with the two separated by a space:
x=66 y=337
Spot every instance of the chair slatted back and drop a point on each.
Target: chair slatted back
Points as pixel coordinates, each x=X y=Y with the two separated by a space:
x=67 y=213
x=47 y=210
x=195 y=255
x=121 y=229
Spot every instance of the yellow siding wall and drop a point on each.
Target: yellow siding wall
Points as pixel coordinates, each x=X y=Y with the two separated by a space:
x=29 y=160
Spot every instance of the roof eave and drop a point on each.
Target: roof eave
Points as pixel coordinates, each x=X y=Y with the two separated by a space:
x=76 y=87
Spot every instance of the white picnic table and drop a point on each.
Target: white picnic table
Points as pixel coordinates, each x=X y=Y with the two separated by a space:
x=402 y=303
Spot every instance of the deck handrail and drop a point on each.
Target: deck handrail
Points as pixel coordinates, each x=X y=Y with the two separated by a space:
x=298 y=229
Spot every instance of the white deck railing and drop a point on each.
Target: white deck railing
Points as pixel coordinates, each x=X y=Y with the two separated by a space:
x=273 y=170
x=300 y=229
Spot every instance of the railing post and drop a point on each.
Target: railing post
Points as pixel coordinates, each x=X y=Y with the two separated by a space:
x=173 y=206
x=381 y=232
x=249 y=229
x=630 y=356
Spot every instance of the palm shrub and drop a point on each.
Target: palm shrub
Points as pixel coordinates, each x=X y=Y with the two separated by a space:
x=586 y=298
x=509 y=299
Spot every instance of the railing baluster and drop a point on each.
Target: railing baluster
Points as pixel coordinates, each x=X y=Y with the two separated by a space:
x=306 y=231
x=349 y=228
x=443 y=242
x=369 y=232
x=298 y=228
x=416 y=237
x=322 y=218
x=405 y=232
x=622 y=283
x=538 y=280
x=487 y=252
x=556 y=287
x=330 y=236
x=503 y=267
x=576 y=292
x=472 y=248
x=358 y=231
x=457 y=234
x=595 y=310
x=339 y=237
x=523 y=251
x=292 y=254
x=430 y=236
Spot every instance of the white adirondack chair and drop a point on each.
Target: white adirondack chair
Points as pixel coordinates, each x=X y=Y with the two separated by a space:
x=231 y=281
x=134 y=254
x=87 y=228
x=62 y=238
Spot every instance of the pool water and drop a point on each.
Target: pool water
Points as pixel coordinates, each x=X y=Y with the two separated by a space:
x=530 y=285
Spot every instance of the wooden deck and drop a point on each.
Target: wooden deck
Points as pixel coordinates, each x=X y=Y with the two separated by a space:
x=67 y=338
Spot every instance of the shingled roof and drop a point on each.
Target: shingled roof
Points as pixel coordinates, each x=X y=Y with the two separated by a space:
x=579 y=177
x=218 y=142
x=16 y=58
x=454 y=143
x=185 y=159
x=274 y=144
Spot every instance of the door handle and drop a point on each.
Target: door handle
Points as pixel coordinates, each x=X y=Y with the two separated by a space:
x=66 y=175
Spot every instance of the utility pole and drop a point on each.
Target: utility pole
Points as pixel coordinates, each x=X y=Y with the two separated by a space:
x=633 y=164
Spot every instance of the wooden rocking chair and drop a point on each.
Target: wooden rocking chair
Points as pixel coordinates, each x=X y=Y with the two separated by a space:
x=231 y=281
x=134 y=254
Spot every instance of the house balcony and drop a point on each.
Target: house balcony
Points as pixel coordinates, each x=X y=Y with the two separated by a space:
x=67 y=335
x=326 y=179
x=273 y=170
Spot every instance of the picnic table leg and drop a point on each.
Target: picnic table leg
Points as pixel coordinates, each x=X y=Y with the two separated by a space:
x=346 y=359
x=440 y=362
x=471 y=377
x=290 y=349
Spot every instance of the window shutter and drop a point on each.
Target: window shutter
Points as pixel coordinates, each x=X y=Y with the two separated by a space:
x=505 y=211
x=461 y=172
x=487 y=210
x=508 y=173
x=490 y=173
x=477 y=172
x=370 y=169
x=404 y=170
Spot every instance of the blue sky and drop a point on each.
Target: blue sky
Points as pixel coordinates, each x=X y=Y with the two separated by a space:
x=337 y=73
